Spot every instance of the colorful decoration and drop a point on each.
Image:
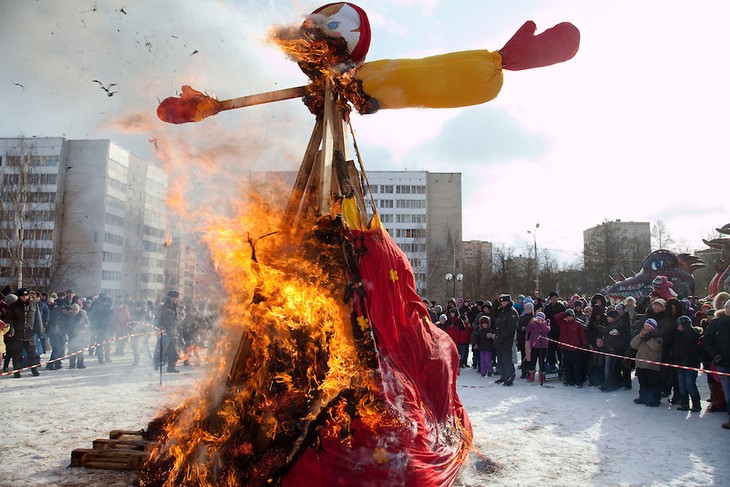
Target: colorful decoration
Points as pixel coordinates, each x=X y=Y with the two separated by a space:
x=721 y=280
x=463 y=78
x=676 y=270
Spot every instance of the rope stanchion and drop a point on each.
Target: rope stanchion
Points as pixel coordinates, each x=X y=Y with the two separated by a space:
x=111 y=340
x=598 y=352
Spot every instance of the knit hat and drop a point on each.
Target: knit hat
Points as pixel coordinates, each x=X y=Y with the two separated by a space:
x=529 y=306
x=10 y=299
x=661 y=302
x=612 y=314
x=437 y=309
x=442 y=318
x=708 y=306
x=540 y=315
x=620 y=307
x=651 y=322
x=569 y=312
x=552 y=293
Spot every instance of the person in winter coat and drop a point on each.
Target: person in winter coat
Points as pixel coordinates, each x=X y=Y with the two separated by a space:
x=25 y=324
x=717 y=343
x=77 y=326
x=56 y=331
x=648 y=345
x=572 y=335
x=168 y=318
x=452 y=326
x=615 y=335
x=505 y=323
x=551 y=309
x=536 y=334
x=524 y=320
x=102 y=322
x=684 y=347
x=463 y=340
x=485 y=308
x=122 y=317
x=4 y=328
x=485 y=346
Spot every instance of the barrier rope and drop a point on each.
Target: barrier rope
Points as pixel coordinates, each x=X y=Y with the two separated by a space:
x=598 y=352
x=100 y=344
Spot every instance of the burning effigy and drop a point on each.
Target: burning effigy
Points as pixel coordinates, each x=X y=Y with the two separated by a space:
x=339 y=377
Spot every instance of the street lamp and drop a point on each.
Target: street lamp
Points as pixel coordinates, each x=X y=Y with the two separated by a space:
x=537 y=266
x=459 y=278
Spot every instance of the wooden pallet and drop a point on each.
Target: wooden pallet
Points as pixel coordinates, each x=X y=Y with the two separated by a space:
x=123 y=450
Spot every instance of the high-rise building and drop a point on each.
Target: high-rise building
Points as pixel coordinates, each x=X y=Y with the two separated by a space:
x=84 y=214
x=422 y=213
x=477 y=268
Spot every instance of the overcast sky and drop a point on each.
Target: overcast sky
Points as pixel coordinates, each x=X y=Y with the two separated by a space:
x=634 y=127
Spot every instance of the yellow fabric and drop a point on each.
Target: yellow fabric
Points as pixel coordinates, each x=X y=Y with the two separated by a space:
x=351 y=216
x=446 y=81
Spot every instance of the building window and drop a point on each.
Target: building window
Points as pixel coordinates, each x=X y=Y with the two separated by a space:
x=387 y=218
x=386 y=188
x=410 y=204
x=386 y=203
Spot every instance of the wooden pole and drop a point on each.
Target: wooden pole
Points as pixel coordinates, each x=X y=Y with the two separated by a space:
x=261 y=98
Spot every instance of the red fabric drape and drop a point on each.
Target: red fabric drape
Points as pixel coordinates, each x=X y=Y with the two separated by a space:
x=419 y=366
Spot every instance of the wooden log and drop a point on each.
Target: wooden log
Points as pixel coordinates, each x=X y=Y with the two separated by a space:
x=111 y=458
x=128 y=444
x=116 y=434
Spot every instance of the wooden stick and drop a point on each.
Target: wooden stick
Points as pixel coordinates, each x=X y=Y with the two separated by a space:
x=261 y=98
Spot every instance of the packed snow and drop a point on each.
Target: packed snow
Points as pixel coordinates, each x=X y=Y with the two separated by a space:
x=525 y=435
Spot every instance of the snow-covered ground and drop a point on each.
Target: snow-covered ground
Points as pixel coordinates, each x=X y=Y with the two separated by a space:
x=526 y=434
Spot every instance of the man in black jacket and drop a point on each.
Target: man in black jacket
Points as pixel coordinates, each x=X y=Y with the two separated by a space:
x=717 y=343
x=168 y=318
x=505 y=320
x=552 y=308
x=25 y=322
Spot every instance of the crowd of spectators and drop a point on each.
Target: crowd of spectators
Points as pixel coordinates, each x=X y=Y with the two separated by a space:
x=663 y=342
x=71 y=328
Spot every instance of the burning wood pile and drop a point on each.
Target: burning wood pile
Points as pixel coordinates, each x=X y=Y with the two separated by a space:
x=339 y=377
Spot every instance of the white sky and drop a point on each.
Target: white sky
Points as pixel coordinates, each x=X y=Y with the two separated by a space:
x=633 y=128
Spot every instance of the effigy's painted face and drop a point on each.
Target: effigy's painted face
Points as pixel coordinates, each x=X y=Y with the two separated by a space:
x=340 y=20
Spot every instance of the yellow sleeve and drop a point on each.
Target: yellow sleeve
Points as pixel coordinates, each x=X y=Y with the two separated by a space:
x=445 y=81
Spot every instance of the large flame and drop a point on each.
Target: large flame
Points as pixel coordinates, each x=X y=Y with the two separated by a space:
x=298 y=361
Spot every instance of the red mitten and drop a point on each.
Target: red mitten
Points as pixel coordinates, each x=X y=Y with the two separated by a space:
x=526 y=50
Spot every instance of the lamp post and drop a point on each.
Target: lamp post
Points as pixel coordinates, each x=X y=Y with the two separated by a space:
x=454 y=279
x=537 y=266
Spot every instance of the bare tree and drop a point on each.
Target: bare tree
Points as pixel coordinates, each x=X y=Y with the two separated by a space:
x=15 y=208
x=660 y=236
x=27 y=217
x=609 y=252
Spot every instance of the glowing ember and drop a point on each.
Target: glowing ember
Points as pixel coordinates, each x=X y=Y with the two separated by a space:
x=190 y=106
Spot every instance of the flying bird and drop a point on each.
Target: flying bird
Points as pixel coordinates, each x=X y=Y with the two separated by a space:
x=105 y=88
x=122 y=10
x=18 y=84
x=194 y=52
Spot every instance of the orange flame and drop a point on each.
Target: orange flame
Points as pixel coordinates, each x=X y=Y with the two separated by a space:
x=296 y=359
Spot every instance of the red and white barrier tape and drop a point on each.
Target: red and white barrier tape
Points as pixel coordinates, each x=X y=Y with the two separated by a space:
x=77 y=352
x=683 y=367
